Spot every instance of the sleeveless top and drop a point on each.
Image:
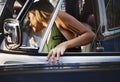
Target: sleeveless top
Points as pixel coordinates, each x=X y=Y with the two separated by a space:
x=56 y=37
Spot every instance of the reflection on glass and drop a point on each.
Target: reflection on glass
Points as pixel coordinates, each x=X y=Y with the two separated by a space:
x=1 y=7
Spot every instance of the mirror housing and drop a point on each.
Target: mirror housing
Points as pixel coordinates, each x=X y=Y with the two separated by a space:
x=12 y=33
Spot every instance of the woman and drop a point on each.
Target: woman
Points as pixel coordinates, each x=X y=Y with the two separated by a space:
x=68 y=26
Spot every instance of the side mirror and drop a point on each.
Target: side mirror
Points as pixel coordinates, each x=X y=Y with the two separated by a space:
x=12 y=33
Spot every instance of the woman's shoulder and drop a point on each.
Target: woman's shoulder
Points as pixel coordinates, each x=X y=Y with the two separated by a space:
x=63 y=14
x=65 y=17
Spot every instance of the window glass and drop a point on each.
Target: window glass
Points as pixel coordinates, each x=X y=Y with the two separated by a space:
x=18 y=5
x=2 y=5
x=113 y=13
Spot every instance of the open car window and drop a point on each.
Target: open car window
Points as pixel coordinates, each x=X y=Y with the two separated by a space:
x=36 y=40
x=29 y=37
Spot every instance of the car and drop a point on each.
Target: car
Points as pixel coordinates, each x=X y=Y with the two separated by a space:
x=98 y=61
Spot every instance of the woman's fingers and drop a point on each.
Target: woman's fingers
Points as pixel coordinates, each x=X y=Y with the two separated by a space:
x=55 y=53
x=49 y=55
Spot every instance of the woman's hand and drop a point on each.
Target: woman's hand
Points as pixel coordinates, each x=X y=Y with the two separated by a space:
x=56 y=52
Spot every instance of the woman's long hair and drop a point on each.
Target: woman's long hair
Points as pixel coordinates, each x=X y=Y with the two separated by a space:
x=42 y=10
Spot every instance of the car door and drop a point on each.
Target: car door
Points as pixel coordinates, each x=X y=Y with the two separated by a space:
x=26 y=65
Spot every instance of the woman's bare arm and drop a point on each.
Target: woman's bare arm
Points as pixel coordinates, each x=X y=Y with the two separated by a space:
x=69 y=27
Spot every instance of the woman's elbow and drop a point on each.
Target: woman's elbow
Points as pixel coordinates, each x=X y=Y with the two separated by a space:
x=92 y=36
